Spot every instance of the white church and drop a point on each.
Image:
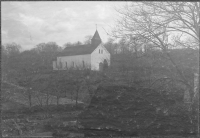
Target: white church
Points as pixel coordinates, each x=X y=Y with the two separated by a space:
x=91 y=56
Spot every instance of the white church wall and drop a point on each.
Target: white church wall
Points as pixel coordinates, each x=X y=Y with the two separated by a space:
x=78 y=61
x=98 y=55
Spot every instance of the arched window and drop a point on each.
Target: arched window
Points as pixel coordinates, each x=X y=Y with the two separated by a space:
x=66 y=65
x=83 y=64
x=56 y=64
x=102 y=51
x=60 y=65
x=99 y=51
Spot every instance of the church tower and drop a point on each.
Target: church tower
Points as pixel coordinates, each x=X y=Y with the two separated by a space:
x=96 y=40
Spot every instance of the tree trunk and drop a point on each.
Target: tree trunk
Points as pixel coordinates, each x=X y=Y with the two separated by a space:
x=29 y=98
x=57 y=100
x=47 y=101
x=71 y=95
x=76 y=98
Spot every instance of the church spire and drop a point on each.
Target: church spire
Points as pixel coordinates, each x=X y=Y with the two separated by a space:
x=96 y=40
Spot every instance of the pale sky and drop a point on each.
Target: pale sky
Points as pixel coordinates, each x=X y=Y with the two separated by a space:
x=31 y=23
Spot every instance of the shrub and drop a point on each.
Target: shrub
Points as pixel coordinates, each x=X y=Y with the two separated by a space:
x=130 y=111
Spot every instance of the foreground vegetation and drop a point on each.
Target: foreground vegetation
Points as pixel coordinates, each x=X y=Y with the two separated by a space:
x=149 y=89
x=106 y=95
x=160 y=88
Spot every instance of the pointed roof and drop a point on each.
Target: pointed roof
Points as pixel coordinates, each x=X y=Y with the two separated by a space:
x=96 y=36
x=96 y=40
x=83 y=49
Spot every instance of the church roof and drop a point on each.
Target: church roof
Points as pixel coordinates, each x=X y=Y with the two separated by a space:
x=83 y=49
x=96 y=40
x=78 y=50
x=96 y=36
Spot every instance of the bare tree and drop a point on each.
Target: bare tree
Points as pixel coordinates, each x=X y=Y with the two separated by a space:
x=68 y=44
x=87 y=39
x=158 y=23
x=12 y=49
x=155 y=21
x=166 y=25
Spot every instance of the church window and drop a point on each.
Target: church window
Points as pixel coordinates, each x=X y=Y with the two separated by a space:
x=56 y=65
x=83 y=64
x=60 y=65
x=102 y=51
x=66 y=64
x=99 y=50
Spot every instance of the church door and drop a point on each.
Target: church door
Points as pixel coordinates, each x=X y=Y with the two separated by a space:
x=105 y=64
x=100 y=66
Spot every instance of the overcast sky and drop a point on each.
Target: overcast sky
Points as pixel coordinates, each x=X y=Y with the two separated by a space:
x=31 y=23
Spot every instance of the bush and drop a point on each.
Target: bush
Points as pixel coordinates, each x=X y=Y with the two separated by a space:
x=130 y=111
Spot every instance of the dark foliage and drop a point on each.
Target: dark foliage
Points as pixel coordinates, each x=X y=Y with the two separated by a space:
x=122 y=110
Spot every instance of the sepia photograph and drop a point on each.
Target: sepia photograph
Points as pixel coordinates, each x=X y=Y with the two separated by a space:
x=77 y=69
